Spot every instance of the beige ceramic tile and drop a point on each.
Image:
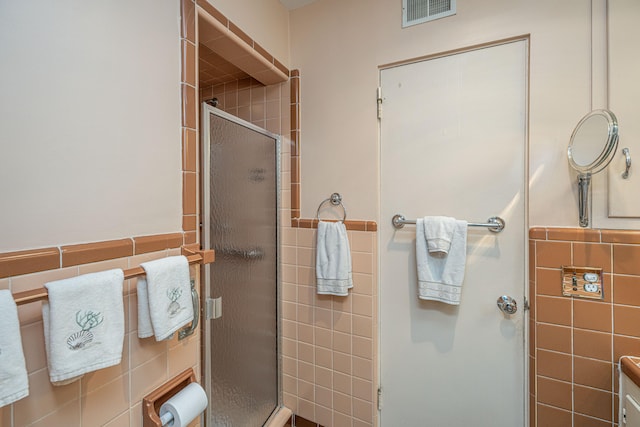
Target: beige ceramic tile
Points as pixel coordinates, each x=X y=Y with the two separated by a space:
x=323 y=397
x=289 y=366
x=92 y=381
x=363 y=410
x=144 y=349
x=342 y=303
x=306 y=372
x=119 y=263
x=322 y=318
x=305 y=390
x=361 y=241
x=362 y=368
x=362 y=326
x=362 y=262
x=342 y=403
x=289 y=311
x=342 y=322
x=289 y=384
x=289 y=274
x=305 y=333
x=122 y=420
x=362 y=389
x=44 y=398
x=289 y=329
x=363 y=284
x=342 y=342
x=306 y=257
x=323 y=357
x=5 y=284
x=324 y=415
x=33 y=346
x=324 y=377
x=289 y=348
x=148 y=376
x=362 y=305
x=105 y=403
x=323 y=337
x=341 y=420
x=305 y=352
x=341 y=363
x=362 y=347
x=65 y=415
x=342 y=382
x=185 y=354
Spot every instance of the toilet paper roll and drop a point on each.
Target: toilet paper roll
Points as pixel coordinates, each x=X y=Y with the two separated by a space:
x=185 y=406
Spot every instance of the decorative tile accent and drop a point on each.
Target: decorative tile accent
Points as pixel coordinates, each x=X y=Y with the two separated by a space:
x=31 y=261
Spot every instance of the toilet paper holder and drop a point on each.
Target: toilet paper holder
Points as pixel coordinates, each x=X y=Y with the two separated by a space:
x=152 y=402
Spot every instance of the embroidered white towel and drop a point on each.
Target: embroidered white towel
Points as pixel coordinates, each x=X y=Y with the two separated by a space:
x=440 y=277
x=438 y=230
x=83 y=324
x=333 y=259
x=167 y=288
x=14 y=384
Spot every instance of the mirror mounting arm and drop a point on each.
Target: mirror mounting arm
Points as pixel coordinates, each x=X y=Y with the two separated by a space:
x=583 y=198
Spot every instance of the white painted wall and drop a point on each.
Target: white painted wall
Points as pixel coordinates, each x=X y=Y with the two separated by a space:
x=266 y=21
x=89 y=121
x=339 y=45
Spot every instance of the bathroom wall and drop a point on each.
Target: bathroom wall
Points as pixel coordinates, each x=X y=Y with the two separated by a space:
x=575 y=344
x=339 y=87
x=90 y=121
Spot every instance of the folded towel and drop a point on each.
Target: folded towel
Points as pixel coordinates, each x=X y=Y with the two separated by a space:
x=440 y=278
x=14 y=384
x=438 y=230
x=83 y=324
x=333 y=259
x=164 y=297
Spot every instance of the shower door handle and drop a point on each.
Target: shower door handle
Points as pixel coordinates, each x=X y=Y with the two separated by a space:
x=507 y=305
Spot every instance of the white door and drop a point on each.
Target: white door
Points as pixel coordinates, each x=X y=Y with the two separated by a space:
x=453 y=142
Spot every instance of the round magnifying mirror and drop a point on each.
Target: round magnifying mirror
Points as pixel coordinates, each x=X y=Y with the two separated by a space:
x=592 y=147
x=593 y=142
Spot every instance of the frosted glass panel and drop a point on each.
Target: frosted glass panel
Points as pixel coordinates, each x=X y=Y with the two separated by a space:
x=243 y=232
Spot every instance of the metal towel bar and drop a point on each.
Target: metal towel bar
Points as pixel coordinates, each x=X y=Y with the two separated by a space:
x=495 y=223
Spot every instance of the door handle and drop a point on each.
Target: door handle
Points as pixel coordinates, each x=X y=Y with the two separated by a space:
x=507 y=305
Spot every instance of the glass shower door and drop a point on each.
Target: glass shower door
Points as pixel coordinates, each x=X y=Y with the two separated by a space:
x=241 y=220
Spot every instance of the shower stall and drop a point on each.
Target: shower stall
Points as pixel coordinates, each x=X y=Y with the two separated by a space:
x=240 y=200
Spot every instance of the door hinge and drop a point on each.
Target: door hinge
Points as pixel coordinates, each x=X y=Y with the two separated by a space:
x=213 y=308
x=379 y=101
x=379 y=398
x=526 y=304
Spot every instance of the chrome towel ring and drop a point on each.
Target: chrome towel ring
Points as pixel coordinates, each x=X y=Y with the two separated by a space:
x=336 y=200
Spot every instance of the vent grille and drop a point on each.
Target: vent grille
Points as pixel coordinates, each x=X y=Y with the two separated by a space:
x=419 y=11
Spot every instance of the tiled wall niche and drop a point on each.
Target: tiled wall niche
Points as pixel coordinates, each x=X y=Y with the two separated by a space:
x=575 y=344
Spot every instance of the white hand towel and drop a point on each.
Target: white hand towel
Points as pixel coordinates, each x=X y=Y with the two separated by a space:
x=167 y=290
x=440 y=278
x=333 y=259
x=438 y=230
x=83 y=324
x=14 y=384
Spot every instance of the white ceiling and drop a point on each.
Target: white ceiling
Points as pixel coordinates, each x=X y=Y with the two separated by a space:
x=294 y=4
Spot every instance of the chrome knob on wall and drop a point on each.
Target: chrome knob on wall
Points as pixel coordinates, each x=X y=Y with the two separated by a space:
x=507 y=305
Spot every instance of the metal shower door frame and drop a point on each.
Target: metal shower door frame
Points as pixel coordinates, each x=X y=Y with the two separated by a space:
x=205 y=293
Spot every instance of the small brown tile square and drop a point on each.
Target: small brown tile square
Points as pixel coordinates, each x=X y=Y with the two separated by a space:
x=372 y=226
x=189 y=222
x=625 y=259
x=189 y=147
x=538 y=233
x=356 y=225
x=573 y=234
x=549 y=282
x=596 y=403
x=280 y=66
x=189 y=194
x=584 y=421
x=188 y=20
x=621 y=236
x=532 y=338
x=553 y=310
x=190 y=237
x=626 y=320
x=555 y=393
x=595 y=345
x=553 y=254
x=295 y=73
x=188 y=63
x=189 y=106
x=592 y=255
x=159 y=242
x=295 y=196
x=31 y=261
x=626 y=290
x=625 y=346
x=554 y=365
x=549 y=416
x=552 y=337
x=592 y=373
x=94 y=252
x=593 y=315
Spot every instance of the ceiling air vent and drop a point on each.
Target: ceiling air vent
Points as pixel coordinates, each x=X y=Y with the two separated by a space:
x=419 y=11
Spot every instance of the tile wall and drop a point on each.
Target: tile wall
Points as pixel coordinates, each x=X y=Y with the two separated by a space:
x=576 y=343
x=108 y=397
